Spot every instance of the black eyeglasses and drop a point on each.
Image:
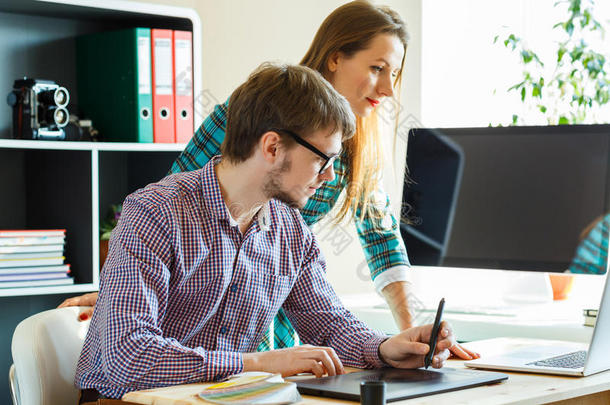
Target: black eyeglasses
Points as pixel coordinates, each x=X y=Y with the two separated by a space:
x=328 y=160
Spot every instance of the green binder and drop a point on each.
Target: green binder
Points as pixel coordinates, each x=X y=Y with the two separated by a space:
x=114 y=83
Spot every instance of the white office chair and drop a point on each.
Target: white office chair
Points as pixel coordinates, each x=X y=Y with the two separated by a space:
x=46 y=348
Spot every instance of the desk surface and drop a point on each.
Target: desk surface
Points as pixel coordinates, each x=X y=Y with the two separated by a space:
x=520 y=388
x=548 y=320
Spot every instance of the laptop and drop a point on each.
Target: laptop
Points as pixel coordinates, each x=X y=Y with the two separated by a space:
x=557 y=357
x=400 y=383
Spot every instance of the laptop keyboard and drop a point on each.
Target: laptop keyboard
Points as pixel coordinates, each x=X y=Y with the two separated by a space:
x=570 y=360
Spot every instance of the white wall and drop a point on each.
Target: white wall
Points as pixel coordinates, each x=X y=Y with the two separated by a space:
x=240 y=34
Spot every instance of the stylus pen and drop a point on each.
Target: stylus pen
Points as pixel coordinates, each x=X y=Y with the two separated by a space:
x=434 y=335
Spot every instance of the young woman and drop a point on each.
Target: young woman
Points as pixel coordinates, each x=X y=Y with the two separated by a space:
x=360 y=49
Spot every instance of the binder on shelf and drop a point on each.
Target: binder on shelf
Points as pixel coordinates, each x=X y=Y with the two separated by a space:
x=183 y=85
x=115 y=83
x=163 y=86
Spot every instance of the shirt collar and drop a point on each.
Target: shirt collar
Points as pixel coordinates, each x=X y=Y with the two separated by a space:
x=215 y=204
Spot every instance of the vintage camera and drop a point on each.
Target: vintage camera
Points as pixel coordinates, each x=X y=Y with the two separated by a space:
x=39 y=109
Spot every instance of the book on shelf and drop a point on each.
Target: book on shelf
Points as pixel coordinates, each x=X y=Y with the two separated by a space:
x=64 y=268
x=38 y=283
x=41 y=261
x=11 y=233
x=32 y=276
x=32 y=237
x=18 y=249
x=32 y=240
x=33 y=255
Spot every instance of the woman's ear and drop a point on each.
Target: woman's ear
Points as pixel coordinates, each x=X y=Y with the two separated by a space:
x=333 y=62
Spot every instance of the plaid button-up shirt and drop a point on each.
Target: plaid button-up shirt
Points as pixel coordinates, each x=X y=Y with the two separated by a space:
x=379 y=234
x=184 y=292
x=592 y=252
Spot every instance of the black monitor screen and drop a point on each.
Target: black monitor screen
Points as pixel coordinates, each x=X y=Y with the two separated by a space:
x=513 y=198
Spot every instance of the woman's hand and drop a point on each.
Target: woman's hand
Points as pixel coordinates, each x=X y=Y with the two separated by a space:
x=86 y=300
x=460 y=352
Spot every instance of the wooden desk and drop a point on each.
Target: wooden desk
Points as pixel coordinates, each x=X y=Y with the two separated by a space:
x=519 y=389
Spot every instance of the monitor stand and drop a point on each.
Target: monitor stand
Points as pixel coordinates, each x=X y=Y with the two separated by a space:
x=529 y=288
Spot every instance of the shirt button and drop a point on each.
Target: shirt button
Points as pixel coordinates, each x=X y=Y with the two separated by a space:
x=234 y=288
x=223 y=330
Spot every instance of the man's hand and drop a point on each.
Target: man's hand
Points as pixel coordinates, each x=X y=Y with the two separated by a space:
x=295 y=360
x=397 y=296
x=86 y=300
x=409 y=348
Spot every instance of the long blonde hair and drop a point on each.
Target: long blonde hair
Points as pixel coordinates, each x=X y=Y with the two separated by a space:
x=349 y=29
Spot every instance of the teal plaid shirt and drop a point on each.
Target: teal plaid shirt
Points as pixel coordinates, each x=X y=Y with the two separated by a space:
x=592 y=252
x=379 y=233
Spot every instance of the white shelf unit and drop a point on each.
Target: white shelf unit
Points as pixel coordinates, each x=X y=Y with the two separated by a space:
x=47 y=184
x=71 y=185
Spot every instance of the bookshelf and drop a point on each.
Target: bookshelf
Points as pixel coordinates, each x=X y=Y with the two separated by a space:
x=56 y=184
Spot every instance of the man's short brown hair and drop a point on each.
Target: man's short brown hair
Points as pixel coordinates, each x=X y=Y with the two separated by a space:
x=290 y=97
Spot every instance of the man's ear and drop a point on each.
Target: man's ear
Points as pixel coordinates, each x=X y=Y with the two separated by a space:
x=270 y=145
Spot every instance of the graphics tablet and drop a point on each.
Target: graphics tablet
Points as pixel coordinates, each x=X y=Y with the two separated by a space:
x=400 y=383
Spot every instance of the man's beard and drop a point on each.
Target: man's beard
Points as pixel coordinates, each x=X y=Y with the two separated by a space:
x=273 y=186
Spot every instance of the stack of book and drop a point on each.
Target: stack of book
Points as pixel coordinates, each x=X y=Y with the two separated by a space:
x=30 y=258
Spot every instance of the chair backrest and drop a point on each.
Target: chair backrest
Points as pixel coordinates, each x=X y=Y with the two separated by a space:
x=12 y=382
x=46 y=348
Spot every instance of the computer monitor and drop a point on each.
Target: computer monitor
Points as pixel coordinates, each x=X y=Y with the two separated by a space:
x=512 y=198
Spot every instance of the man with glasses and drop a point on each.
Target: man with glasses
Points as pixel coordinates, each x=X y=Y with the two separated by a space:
x=327 y=161
x=201 y=262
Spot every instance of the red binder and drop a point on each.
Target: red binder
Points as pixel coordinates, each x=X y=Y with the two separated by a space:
x=163 y=86
x=183 y=85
